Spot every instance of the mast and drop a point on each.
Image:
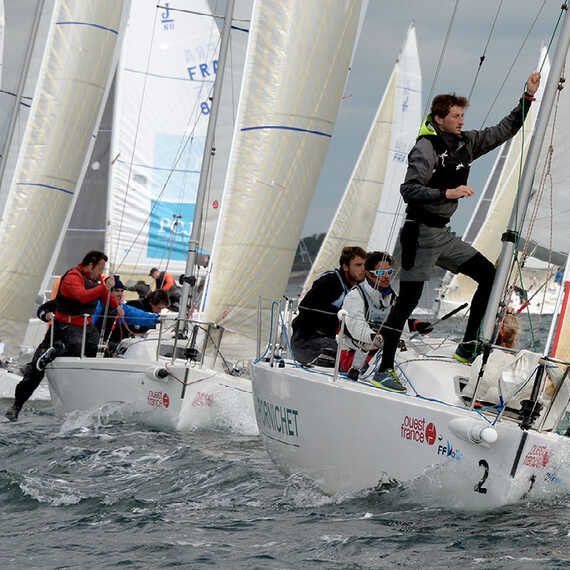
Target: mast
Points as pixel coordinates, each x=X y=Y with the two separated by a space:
x=511 y=236
x=209 y=151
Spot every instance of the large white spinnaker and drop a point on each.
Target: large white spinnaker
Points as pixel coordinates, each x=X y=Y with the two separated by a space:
x=296 y=68
x=162 y=105
x=73 y=81
x=369 y=214
x=487 y=239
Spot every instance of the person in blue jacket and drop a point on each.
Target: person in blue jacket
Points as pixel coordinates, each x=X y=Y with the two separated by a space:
x=117 y=328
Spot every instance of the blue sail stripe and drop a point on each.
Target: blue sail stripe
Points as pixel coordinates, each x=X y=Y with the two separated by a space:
x=168 y=76
x=284 y=128
x=98 y=26
x=44 y=186
x=240 y=29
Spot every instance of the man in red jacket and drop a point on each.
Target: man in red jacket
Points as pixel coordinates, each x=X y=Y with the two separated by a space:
x=75 y=303
x=164 y=280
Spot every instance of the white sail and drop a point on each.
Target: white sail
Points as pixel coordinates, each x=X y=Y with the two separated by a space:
x=24 y=47
x=374 y=186
x=162 y=105
x=67 y=105
x=2 y=26
x=288 y=107
x=407 y=119
x=488 y=237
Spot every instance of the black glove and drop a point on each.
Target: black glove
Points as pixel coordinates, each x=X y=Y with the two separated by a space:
x=420 y=327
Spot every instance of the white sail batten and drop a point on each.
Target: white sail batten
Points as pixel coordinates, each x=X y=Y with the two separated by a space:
x=487 y=239
x=373 y=188
x=295 y=72
x=73 y=81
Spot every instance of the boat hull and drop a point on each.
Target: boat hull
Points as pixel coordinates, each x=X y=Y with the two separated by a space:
x=347 y=436
x=187 y=398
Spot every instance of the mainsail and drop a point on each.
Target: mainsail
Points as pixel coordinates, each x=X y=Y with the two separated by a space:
x=296 y=69
x=65 y=112
x=370 y=213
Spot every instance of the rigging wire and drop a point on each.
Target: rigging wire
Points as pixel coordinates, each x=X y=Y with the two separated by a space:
x=441 y=55
x=139 y=119
x=515 y=60
x=482 y=58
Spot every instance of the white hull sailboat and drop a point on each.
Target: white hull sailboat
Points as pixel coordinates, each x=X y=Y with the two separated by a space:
x=141 y=378
x=351 y=436
x=348 y=436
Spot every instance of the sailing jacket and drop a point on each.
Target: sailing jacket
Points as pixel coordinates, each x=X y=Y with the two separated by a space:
x=78 y=295
x=319 y=307
x=367 y=308
x=165 y=281
x=440 y=161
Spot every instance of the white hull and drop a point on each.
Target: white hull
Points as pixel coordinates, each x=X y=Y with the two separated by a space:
x=349 y=436
x=210 y=399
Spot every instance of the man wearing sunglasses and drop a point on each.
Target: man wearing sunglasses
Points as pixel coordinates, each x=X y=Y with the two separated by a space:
x=316 y=325
x=367 y=305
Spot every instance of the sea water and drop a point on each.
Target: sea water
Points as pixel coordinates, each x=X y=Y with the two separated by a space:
x=98 y=490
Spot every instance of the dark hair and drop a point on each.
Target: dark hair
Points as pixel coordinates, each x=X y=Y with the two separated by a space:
x=159 y=297
x=349 y=253
x=441 y=104
x=373 y=258
x=94 y=257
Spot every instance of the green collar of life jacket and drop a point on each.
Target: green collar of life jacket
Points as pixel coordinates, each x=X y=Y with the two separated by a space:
x=427 y=129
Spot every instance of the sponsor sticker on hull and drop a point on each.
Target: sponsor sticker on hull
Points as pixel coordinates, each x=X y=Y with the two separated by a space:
x=158 y=399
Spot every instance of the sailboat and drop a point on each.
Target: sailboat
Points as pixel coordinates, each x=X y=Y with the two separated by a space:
x=370 y=212
x=42 y=170
x=350 y=436
x=173 y=382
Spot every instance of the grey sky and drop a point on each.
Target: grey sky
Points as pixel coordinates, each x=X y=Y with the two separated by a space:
x=383 y=33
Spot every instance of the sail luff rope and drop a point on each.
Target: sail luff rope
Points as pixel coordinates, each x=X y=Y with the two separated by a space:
x=482 y=58
x=441 y=55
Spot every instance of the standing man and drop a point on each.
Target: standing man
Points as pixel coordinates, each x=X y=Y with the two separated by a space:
x=315 y=327
x=438 y=168
x=164 y=280
x=77 y=295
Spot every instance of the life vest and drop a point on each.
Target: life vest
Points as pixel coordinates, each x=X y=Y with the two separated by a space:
x=73 y=307
x=451 y=170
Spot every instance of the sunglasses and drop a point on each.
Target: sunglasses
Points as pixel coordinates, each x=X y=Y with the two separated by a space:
x=380 y=272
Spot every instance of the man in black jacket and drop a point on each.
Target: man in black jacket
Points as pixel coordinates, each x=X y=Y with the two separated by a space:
x=436 y=179
x=315 y=327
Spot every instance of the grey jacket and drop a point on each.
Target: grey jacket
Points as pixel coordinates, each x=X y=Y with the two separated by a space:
x=423 y=161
